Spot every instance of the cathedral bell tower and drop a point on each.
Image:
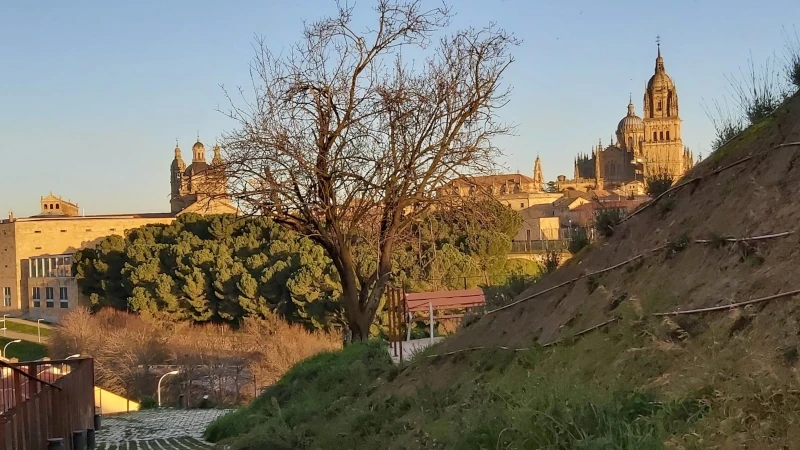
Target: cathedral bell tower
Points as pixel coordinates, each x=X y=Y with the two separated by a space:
x=663 y=148
x=538 y=177
x=176 y=180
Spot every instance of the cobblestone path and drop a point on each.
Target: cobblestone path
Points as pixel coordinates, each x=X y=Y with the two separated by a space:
x=165 y=429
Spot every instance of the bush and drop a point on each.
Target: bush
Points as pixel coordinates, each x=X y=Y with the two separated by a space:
x=727 y=124
x=578 y=240
x=504 y=294
x=792 y=58
x=121 y=344
x=551 y=261
x=606 y=220
x=658 y=183
x=148 y=402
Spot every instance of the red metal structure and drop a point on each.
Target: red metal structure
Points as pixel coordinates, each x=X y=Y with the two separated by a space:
x=40 y=400
x=405 y=309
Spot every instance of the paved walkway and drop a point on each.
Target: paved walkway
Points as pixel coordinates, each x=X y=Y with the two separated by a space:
x=23 y=336
x=162 y=429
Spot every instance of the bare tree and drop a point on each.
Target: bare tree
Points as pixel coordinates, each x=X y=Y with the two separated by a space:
x=345 y=135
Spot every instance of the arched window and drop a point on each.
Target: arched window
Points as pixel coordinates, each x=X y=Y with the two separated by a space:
x=630 y=143
x=667 y=134
x=659 y=105
x=655 y=136
x=58 y=206
x=660 y=135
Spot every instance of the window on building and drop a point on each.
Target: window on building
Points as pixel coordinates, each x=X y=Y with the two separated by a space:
x=659 y=105
x=661 y=136
x=36 y=296
x=62 y=297
x=7 y=296
x=58 y=206
x=667 y=134
x=522 y=205
x=39 y=267
x=48 y=296
x=655 y=136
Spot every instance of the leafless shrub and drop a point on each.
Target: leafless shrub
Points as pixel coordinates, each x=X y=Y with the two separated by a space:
x=213 y=359
x=728 y=123
x=759 y=91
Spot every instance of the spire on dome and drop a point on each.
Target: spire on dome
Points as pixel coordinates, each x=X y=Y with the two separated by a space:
x=659 y=59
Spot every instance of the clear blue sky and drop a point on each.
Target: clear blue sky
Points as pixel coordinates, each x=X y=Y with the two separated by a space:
x=94 y=93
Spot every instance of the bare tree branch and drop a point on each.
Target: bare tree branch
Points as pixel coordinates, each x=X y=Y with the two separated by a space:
x=344 y=135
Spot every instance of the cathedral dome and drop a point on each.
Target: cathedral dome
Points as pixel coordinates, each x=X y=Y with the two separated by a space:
x=631 y=122
x=198 y=146
x=660 y=80
x=196 y=168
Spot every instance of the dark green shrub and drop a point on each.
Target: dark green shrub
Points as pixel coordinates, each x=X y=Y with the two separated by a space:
x=578 y=240
x=658 y=183
x=606 y=220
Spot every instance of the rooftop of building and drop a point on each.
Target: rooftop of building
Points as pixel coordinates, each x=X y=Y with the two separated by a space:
x=46 y=217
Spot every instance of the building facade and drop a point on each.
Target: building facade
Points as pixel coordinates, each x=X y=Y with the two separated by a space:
x=36 y=252
x=645 y=146
x=199 y=187
x=514 y=190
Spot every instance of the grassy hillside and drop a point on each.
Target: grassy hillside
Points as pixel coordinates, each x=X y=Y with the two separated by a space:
x=519 y=378
x=25 y=350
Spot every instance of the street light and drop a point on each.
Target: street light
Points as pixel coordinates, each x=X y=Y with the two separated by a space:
x=4 y=324
x=39 y=329
x=76 y=355
x=15 y=341
x=174 y=372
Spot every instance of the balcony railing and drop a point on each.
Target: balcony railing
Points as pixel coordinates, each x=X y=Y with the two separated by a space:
x=40 y=400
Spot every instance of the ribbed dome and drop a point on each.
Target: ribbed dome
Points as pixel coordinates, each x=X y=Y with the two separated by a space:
x=662 y=80
x=630 y=123
x=198 y=146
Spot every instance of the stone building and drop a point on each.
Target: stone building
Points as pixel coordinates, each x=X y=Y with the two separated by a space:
x=200 y=187
x=645 y=146
x=36 y=252
x=515 y=190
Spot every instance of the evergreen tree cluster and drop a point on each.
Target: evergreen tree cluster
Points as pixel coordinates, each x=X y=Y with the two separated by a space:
x=223 y=268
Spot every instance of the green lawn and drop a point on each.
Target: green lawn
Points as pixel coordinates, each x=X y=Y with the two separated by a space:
x=25 y=328
x=183 y=443
x=24 y=351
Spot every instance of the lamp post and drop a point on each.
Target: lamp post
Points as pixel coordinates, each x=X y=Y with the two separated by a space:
x=15 y=341
x=4 y=324
x=174 y=372
x=76 y=355
x=39 y=329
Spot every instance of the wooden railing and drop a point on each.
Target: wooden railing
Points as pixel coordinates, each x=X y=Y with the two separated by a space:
x=40 y=400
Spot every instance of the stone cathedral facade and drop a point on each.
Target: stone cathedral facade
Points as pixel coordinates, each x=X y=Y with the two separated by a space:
x=645 y=146
x=199 y=187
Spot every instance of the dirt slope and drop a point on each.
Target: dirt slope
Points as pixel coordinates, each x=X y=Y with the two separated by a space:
x=758 y=197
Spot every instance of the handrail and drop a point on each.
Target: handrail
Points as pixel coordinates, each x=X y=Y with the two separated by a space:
x=26 y=374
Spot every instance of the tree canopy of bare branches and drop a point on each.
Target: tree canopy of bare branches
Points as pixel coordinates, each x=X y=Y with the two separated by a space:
x=344 y=133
